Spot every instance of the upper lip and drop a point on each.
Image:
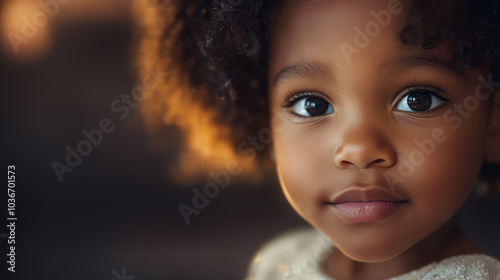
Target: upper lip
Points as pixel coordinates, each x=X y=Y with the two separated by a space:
x=366 y=194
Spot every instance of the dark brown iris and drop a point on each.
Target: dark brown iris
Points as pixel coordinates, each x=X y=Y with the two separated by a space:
x=419 y=101
x=316 y=106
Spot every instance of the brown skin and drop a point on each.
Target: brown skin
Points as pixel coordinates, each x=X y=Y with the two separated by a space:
x=368 y=135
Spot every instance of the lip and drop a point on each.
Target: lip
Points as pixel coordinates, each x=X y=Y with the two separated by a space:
x=366 y=204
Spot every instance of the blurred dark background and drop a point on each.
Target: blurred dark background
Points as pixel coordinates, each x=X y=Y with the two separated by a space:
x=118 y=208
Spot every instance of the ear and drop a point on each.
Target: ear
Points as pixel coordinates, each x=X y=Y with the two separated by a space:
x=492 y=143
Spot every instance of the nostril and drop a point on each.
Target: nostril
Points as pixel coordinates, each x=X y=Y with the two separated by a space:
x=364 y=156
x=376 y=162
x=346 y=164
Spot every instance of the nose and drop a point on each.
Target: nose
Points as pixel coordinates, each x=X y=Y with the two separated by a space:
x=364 y=147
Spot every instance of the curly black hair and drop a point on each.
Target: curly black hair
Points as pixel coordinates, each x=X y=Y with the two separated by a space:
x=221 y=45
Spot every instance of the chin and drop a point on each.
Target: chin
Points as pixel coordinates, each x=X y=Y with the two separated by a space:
x=372 y=250
x=369 y=255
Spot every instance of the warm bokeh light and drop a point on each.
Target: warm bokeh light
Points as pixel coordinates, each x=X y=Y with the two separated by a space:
x=207 y=146
x=26 y=28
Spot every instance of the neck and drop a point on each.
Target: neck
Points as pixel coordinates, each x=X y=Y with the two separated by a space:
x=446 y=242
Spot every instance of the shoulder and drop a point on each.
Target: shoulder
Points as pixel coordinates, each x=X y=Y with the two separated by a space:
x=291 y=255
x=466 y=267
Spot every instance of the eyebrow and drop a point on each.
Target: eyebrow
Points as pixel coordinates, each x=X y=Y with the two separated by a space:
x=306 y=69
x=430 y=62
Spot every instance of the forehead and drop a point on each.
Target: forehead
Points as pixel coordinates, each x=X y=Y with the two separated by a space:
x=346 y=34
x=293 y=14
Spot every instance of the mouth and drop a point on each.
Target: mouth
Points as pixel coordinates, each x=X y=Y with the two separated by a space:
x=366 y=204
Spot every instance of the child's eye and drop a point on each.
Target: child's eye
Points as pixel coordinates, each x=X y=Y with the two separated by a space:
x=312 y=106
x=420 y=99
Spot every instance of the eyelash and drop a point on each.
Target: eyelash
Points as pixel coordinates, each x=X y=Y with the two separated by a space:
x=293 y=97
x=431 y=89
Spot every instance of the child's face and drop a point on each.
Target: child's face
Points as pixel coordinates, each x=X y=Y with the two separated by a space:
x=398 y=125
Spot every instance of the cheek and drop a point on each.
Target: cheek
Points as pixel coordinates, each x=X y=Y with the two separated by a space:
x=442 y=182
x=299 y=162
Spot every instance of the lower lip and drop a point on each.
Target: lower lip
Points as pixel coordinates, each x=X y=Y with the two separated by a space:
x=364 y=212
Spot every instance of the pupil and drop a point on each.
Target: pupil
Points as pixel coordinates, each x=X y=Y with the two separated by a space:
x=316 y=106
x=419 y=101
